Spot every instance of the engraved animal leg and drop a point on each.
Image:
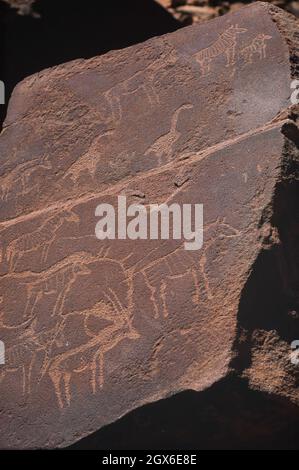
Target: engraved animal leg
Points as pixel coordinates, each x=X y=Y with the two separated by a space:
x=33 y=299
x=153 y=296
x=56 y=377
x=98 y=357
x=29 y=374
x=67 y=386
x=101 y=370
x=202 y=265
x=58 y=307
x=151 y=94
x=196 y=295
x=205 y=65
x=94 y=373
x=263 y=52
x=45 y=251
x=13 y=259
x=6 y=194
x=163 y=288
x=116 y=109
x=24 y=379
x=230 y=56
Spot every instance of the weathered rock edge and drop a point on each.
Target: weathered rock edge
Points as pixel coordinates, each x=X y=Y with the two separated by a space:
x=254 y=342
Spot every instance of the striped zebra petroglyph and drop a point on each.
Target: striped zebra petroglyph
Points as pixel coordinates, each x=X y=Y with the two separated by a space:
x=224 y=45
x=257 y=46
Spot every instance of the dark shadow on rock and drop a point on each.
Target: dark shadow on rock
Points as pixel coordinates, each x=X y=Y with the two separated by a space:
x=270 y=298
x=70 y=30
x=227 y=416
x=230 y=415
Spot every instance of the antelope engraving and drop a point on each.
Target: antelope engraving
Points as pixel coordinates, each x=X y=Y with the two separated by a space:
x=23 y=355
x=224 y=45
x=57 y=281
x=90 y=356
x=143 y=80
x=39 y=240
x=163 y=146
x=257 y=46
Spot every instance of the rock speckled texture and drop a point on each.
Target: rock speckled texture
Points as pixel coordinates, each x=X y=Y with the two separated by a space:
x=96 y=329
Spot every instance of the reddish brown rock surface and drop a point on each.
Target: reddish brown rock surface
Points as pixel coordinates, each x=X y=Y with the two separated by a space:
x=95 y=329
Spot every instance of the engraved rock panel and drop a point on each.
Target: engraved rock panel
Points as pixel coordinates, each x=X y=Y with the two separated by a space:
x=94 y=329
x=79 y=127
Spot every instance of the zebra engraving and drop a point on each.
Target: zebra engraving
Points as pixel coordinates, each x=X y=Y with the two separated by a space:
x=224 y=45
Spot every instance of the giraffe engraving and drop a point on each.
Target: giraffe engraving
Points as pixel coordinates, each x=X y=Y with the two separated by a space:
x=181 y=262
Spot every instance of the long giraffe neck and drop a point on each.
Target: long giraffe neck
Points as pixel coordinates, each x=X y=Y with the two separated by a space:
x=175 y=118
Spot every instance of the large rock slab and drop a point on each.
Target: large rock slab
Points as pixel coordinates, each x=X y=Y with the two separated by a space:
x=94 y=329
x=80 y=127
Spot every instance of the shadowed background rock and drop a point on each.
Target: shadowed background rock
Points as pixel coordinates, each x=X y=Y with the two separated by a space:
x=94 y=330
x=197 y=11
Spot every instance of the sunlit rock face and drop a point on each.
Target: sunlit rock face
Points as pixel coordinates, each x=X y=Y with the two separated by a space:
x=94 y=329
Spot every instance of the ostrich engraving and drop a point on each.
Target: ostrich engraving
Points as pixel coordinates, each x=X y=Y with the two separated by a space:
x=163 y=146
